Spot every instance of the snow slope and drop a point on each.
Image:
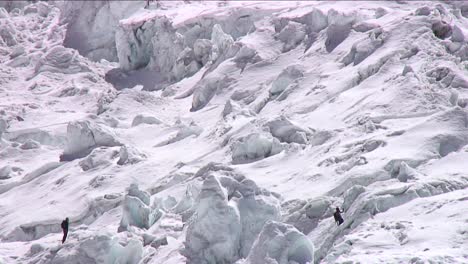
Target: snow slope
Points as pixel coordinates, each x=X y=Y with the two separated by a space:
x=228 y=132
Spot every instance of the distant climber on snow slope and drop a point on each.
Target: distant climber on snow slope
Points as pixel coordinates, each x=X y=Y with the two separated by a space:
x=337 y=215
x=64 y=226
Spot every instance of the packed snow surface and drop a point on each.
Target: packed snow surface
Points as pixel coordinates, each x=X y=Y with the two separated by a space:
x=209 y=132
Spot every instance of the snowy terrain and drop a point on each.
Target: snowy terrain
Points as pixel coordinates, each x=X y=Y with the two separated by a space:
x=228 y=132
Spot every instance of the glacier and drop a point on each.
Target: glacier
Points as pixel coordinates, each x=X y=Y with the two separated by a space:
x=210 y=132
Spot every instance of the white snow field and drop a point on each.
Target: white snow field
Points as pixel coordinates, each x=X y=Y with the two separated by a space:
x=207 y=132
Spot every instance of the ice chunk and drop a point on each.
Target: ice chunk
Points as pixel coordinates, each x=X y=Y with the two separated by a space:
x=143 y=119
x=43 y=137
x=364 y=26
x=286 y=131
x=136 y=192
x=185 y=203
x=255 y=211
x=83 y=137
x=3 y=126
x=153 y=44
x=91 y=26
x=229 y=107
x=186 y=207
x=320 y=137
x=423 y=11
x=447 y=76
x=206 y=89
x=159 y=242
x=35 y=248
x=136 y=210
x=285 y=78
x=43 y=9
x=351 y=194
x=280 y=243
x=30 y=144
x=339 y=27
x=60 y=59
x=232 y=108
x=292 y=35
x=454 y=95
x=98 y=157
x=246 y=55
x=5 y=172
x=407 y=69
x=202 y=50
x=185 y=64
x=380 y=12
x=130 y=253
x=183 y=132
x=362 y=49
x=464 y=10
x=406 y=173
x=441 y=29
x=17 y=51
x=30 y=9
x=8 y=33
x=222 y=42
x=3 y=13
x=305 y=215
x=458 y=34
x=213 y=234
x=99 y=249
x=316 y=208
x=20 y=61
x=254 y=147
x=130 y=155
x=315 y=20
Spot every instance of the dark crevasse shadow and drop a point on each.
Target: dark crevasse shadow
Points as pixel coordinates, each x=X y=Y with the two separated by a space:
x=336 y=35
x=122 y=79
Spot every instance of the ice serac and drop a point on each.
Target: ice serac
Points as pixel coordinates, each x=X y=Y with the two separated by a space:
x=362 y=49
x=91 y=26
x=130 y=155
x=285 y=78
x=280 y=243
x=291 y=35
x=254 y=147
x=8 y=33
x=284 y=130
x=255 y=210
x=144 y=119
x=206 y=89
x=137 y=210
x=83 y=137
x=98 y=157
x=339 y=27
x=213 y=234
x=152 y=40
x=155 y=44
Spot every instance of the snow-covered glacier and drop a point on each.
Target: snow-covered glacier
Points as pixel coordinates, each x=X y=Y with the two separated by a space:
x=209 y=132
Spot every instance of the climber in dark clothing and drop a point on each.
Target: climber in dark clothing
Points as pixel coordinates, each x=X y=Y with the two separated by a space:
x=337 y=215
x=64 y=226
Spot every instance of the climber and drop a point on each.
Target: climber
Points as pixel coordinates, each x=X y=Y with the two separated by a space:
x=337 y=215
x=64 y=226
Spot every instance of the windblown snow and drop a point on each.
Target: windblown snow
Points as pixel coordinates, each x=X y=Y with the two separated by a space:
x=208 y=132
